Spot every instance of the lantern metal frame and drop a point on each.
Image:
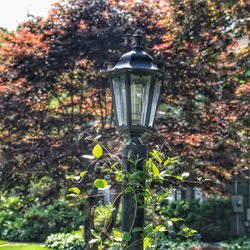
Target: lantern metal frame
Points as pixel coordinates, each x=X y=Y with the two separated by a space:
x=136 y=62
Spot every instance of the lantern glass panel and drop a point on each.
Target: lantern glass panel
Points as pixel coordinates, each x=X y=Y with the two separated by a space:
x=119 y=89
x=157 y=91
x=139 y=88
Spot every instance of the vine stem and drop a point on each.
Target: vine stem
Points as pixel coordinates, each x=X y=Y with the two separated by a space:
x=113 y=206
x=133 y=222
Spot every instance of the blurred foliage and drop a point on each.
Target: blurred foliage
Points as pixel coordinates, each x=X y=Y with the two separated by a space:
x=35 y=223
x=53 y=96
x=212 y=218
x=51 y=89
x=66 y=241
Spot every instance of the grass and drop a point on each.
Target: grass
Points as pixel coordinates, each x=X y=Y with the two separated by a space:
x=2 y=242
x=24 y=247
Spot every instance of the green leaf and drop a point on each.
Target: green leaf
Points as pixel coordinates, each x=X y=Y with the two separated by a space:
x=100 y=183
x=163 y=196
x=136 y=229
x=71 y=177
x=75 y=190
x=242 y=81
x=155 y=170
x=194 y=231
x=173 y=160
x=97 y=151
x=95 y=234
x=126 y=236
x=160 y=228
x=147 y=242
x=166 y=162
x=180 y=178
x=82 y=174
x=113 y=166
x=118 y=235
x=185 y=229
x=129 y=189
x=156 y=155
x=176 y=219
x=119 y=176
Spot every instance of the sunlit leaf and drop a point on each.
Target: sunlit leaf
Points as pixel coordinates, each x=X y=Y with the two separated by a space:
x=155 y=170
x=82 y=174
x=97 y=151
x=118 y=235
x=163 y=196
x=147 y=242
x=166 y=162
x=119 y=176
x=180 y=178
x=160 y=228
x=75 y=190
x=176 y=219
x=100 y=183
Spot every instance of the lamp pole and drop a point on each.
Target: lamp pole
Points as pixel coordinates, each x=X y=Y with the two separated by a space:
x=132 y=211
x=136 y=84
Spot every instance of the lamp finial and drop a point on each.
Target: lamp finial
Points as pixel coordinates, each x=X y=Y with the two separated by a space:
x=138 y=40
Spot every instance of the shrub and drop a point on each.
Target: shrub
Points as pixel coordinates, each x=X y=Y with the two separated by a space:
x=62 y=241
x=178 y=245
x=211 y=218
x=242 y=243
x=37 y=222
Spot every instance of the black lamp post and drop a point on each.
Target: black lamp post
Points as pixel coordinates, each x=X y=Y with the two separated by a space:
x=136 y=84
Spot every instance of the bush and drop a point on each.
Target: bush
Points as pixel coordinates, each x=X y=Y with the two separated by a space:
x=211 y=218
x=37 y=222
x=242 y=243
x=178 y=245
x=62 y=241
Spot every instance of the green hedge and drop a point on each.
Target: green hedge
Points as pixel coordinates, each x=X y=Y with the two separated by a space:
x=211 y=218
x=37 y=222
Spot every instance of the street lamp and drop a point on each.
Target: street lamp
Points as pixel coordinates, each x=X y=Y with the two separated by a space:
x=136 y=84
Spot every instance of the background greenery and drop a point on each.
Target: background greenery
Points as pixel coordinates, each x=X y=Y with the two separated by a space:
x=212 y=218
x=53 y=97
x=36 y=222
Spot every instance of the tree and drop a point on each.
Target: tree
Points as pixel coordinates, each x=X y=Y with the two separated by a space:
x=203 y=47
x=51 y=89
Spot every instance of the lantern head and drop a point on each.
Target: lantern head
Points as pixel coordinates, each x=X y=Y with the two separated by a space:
x=136 y=84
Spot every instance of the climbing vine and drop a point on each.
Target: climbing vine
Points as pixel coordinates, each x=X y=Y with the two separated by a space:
x=150 y=187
